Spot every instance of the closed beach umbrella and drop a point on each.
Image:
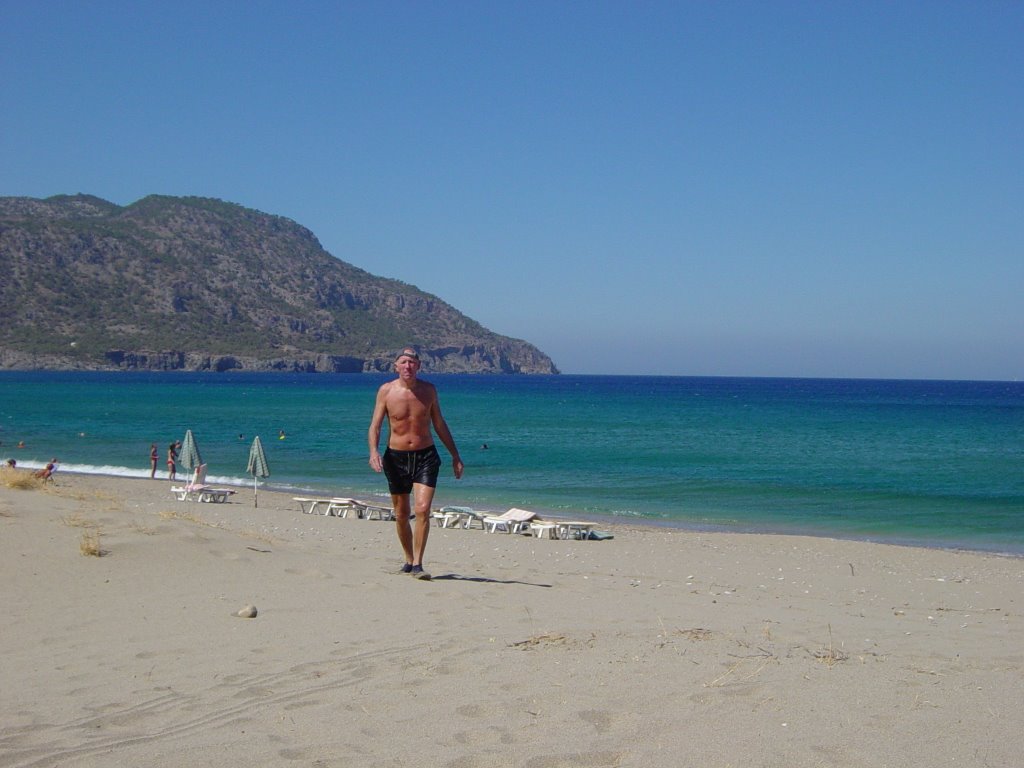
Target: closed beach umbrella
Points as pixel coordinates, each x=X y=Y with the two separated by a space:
x=189 y=458
x=258 y=466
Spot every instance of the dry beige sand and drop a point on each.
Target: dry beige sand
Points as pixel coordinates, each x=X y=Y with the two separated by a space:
x=657 y=648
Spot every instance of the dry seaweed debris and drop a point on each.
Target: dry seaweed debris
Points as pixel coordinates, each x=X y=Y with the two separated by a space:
x=830 y=656
x=544 y=640
x=90 y=544
x=696 y=633
x=764 y=660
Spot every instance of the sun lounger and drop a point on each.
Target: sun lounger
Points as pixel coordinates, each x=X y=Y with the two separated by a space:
x=472 y=517
x=197 y=490
x=340 y=507
x=513 y=521
x=371 y=511
x=469 y=516
x=309 y=505
x=567 y=529
x=335 y=506
x=573 y=529
x=212 y=495
x=453 y=517
x=463 y=517
x=543 y=529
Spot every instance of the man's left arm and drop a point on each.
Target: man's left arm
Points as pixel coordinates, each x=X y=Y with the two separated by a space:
x=445 y=435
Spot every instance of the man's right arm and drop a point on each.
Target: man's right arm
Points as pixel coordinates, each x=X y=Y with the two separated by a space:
x=376 y=421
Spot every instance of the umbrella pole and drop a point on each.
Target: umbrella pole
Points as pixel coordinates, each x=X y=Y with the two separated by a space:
x=255 y=493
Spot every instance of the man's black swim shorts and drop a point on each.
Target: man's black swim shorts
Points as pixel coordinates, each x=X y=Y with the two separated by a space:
x=403 y=468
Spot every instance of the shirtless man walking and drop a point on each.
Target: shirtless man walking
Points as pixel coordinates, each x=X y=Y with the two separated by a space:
x=410 y=462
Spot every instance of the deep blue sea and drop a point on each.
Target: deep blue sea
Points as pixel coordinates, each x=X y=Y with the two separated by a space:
x=933 y=463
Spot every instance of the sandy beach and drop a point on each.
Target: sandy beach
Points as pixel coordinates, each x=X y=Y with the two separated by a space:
x=659 y=647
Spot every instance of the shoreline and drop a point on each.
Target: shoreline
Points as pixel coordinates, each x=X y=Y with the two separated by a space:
x=660 y=647
x=452 y=498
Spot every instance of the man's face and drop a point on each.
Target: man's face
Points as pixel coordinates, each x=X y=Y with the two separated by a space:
x=407 y=367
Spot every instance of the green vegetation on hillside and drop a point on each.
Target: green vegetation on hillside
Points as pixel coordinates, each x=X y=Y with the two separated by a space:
x=172 y=282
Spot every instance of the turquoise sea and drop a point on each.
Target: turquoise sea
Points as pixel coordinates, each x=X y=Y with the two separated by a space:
x=932 y=463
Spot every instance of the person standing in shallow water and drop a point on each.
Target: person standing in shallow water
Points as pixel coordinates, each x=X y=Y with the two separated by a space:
x=410 y=461
x=153 y=456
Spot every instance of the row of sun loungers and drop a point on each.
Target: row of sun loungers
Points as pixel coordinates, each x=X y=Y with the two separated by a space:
x=342 y=507
x=513 y=521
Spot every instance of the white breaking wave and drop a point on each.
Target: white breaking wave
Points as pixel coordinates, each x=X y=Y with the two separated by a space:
x=116 y=471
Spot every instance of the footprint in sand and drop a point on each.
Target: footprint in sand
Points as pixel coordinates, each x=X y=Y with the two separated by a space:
x=600 y=719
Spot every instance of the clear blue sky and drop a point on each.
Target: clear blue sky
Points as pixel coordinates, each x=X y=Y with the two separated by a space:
x=723 y=188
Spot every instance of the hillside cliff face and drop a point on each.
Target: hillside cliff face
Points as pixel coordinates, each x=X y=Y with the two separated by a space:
x=199 y=284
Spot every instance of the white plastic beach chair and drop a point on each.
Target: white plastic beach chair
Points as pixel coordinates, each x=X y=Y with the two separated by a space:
x=542 y=529
x=450 y=517
x=463 y=516
x=573 y=529
x=340 y=507
x=197 y=490
x=513 y=521
x=371 y=511
x=336 y=506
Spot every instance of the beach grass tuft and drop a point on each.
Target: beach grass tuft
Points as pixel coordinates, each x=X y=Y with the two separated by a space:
x=90 y=544
x=20 y=479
